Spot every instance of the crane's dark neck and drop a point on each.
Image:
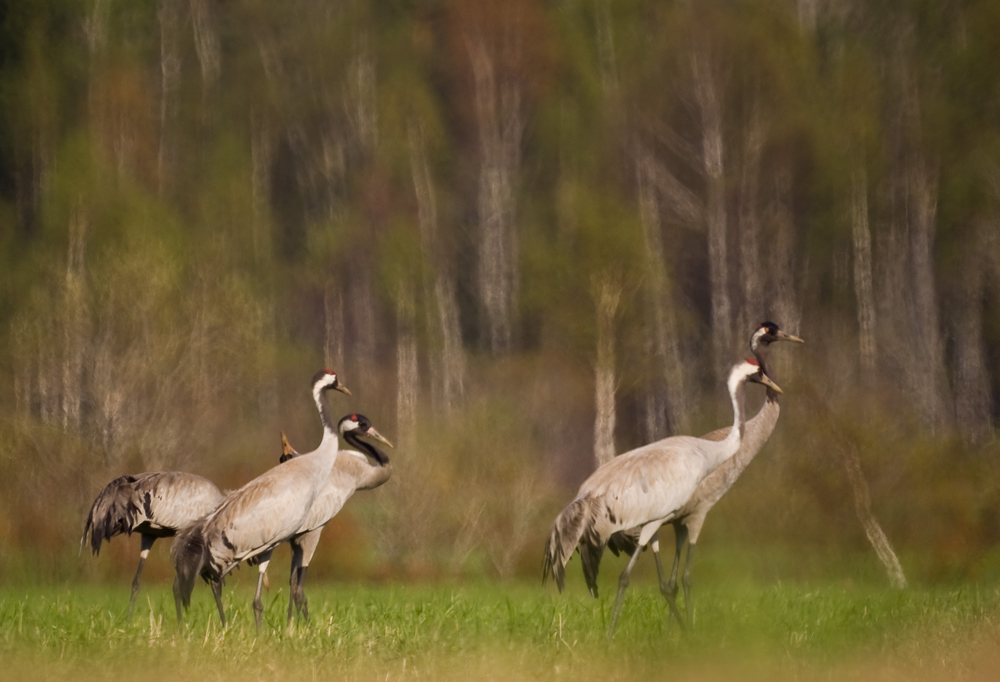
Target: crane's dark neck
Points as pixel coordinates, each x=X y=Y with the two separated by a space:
x=760 y=351
x=376 y=454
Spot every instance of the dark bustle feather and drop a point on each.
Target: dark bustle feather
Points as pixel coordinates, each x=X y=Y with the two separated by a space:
x=624 y=541
x=188 y=554
x=575 y=522
x=113 y=513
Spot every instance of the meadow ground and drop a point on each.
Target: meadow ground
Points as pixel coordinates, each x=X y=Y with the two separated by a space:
x=504 y=632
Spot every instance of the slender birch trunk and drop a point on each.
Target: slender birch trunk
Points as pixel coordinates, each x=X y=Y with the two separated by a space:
x=206 y=42
x=74 y=319
x=607 y=297
x=864 y=292
x=710 y=108
x=785 y=300
x=863 y=509
x=662 y=324
x=749 y=220
x=333 y=317
x=447 y=362
x=498 y=112
x=170 y=78
x=922 y=192
x=606 y=47
x=973 y=402
x=406 y=367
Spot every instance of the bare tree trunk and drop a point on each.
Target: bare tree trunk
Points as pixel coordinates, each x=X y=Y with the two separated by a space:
x=783 y=266
x=24 y=354
x=864 y=292
x=199 y=348
x=362 y=101
x=606 y=47
x=95 y=27
x=206 y=42
x=710 y=108
x=932 y=385
x=808 y=12
x=261 y=156
x=48 y=392
x=973 y=403
x=607 y=297
x=74 y=319
x=863 y=508
x=448 y=357
x=750 y=268
x=662 y=325
x=333 y=316
x=362 y=315
x=170 y=78
x=406 y=367
x=498 y=110
x=108 y=397
x=833 y=433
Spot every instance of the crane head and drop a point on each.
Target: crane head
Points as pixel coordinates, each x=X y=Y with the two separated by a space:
x=360 y=425
x=769 y=332
x=326 y=379
x=750 y=370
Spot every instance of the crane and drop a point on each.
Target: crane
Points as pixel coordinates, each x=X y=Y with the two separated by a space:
x=152 y=504
x=255 y=519
x=352 y=471
x=688 y=522
x=645 y=487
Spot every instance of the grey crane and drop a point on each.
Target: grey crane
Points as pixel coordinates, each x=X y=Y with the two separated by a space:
x=255 y=519
x=352 y=471
x=689 y=520
x=152 y=504
x=645 y=487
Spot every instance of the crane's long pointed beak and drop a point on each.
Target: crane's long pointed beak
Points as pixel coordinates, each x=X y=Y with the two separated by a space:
x=371 y=432
x=766 y=380
x=342 y=389
x=784 y=336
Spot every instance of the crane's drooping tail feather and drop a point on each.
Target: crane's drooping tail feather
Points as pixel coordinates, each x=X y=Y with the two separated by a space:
x=624 y=541
x=188 y=554
x=113 y=513
x=574 y=527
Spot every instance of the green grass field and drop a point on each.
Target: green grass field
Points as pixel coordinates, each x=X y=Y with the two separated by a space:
x=503 y=632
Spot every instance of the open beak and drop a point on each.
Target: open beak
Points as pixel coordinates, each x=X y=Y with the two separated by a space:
x=342 y=389
x=372 y=433
x=766 y=380
x=783 y=336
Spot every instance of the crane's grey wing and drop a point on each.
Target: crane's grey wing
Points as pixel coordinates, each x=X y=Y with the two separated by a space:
x=173 y=499
x=269 y=509
x=339 y=488
x=647 y=484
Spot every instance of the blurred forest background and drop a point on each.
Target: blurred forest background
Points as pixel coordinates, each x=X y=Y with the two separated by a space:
x=527 y=234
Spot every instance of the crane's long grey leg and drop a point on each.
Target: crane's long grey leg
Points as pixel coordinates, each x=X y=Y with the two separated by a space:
x=669 y=589
x=217 y=593
x=622 y=584
x=146 y=543
x=308 y=543
x=687 y=586
x=258 y=604
x=293 y=578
